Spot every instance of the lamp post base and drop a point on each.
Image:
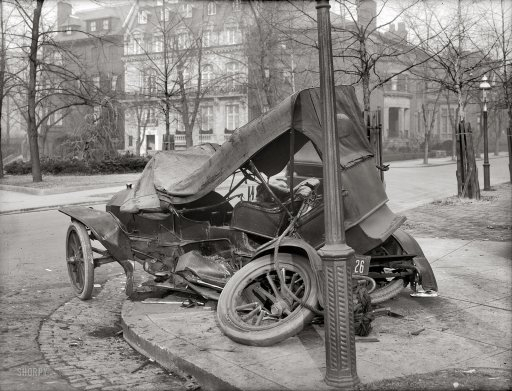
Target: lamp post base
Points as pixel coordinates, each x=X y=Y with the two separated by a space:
x=340 y=349
x=487 y=176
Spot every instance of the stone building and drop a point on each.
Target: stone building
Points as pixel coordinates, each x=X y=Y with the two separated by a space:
x=201 y=41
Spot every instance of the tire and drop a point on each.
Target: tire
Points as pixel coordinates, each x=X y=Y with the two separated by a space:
x=270 y=323
x=79 y=259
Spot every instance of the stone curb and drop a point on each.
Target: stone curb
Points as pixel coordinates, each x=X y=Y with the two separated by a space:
x=436 y=165
x=34 y=191
x=142 y=335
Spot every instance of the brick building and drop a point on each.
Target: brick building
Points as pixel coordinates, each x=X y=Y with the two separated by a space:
x=92 y=44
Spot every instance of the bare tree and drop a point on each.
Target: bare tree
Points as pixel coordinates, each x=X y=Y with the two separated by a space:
x=55 y=79
x=172 y=64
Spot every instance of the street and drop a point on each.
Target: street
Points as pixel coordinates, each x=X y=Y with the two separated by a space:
x=34 y=283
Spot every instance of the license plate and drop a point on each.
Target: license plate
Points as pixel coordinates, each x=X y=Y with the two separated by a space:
x=361 y=265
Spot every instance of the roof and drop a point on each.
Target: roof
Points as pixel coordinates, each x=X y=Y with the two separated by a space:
x=79 y=19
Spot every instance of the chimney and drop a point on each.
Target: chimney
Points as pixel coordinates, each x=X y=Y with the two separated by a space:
x=63 y=13
x=366 y=14
x=392 y=28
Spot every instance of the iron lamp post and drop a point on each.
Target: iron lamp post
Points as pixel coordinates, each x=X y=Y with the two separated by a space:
x=485 y=86
x=337 y=256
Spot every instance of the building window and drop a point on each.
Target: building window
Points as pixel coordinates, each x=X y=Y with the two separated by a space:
x=207 y=74
x=142 y=17
x=150 y=142
x=232 y=117
x=137 y=43
x=207 y=39
x=68 y=30
x=231 y=35
x=394 y=83
x=92 y=26
x=96 y=81
x=106 y=24
x=186 y=10
x=206 y=118
x=57 y=119
x=130 y=141
x=148 y=81
x=231 y=74
x=212 y=8
x=158 y=43
x=164 y=14
x=183 y=40
x=149 y=117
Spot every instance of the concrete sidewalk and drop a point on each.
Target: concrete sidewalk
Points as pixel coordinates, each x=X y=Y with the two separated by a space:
x=467 y=326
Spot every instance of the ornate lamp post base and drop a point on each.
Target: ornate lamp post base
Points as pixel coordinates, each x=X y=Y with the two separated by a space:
x=340 y=349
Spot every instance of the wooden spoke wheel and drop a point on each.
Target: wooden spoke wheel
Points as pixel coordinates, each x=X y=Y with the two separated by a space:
x=256 y=309
x=79 y=258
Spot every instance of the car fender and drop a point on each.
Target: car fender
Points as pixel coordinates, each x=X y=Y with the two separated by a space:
x=108 y=230
x=296 y=246
x=411 y=246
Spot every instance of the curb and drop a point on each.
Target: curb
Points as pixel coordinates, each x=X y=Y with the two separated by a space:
x=52 y=207
x=34 y=191
x=146 y=339
x=421 y=165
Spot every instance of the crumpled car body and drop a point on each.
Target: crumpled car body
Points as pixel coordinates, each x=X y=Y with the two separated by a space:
x=198 y=215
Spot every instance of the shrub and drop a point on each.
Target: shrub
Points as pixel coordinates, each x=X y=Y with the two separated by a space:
x=66 y=166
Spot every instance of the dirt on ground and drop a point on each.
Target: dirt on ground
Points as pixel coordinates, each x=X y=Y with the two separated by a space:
x=489 y=218
x=69 y=181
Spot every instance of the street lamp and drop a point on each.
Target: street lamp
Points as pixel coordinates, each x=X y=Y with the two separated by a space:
x=337 y=256
x=484 y=86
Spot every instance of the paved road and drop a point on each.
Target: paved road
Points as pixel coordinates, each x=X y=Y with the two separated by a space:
x=410 y=185
x=33 y=287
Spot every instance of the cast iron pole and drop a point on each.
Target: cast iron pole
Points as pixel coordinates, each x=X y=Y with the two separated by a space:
x=487 y=179
x=337 y=256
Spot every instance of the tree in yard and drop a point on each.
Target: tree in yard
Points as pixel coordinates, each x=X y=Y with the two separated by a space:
x=54 y=80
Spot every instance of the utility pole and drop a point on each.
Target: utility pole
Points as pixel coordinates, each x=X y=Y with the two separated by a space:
x=337 y=256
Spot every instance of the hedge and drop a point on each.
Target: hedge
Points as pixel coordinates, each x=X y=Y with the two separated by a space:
x=66 y=166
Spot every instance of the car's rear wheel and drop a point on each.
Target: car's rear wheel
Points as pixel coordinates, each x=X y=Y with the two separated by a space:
x=79 y=259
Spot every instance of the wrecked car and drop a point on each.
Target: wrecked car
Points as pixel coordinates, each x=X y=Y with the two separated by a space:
x=242 y=222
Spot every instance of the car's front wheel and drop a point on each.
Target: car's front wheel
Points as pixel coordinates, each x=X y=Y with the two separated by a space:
x=260 y=308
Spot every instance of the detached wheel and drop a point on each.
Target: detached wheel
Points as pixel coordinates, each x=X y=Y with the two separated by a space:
x=255 y=309
x=79 y=259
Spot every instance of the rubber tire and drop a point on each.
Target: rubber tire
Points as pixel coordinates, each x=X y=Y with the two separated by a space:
x=388 y=291
x=292 y=325
x=84 y=293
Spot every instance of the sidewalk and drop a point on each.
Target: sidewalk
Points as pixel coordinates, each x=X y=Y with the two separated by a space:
x=467 y=326
x=466 y=331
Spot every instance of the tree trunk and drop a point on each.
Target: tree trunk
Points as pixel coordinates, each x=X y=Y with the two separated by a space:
x=497 y=132
x=426 y=147
x=31 y=99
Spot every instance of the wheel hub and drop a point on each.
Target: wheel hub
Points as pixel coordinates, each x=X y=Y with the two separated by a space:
x=280 y=307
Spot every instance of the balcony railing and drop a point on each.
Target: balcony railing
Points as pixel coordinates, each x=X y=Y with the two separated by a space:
x=179 y=139
x=205 y=138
